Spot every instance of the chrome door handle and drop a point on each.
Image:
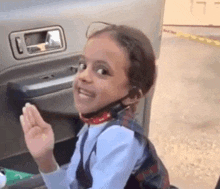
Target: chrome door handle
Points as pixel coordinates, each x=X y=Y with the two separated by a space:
x=37 y=42
x=52 y=41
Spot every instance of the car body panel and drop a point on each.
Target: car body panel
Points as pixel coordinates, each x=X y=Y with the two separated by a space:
x=57 y=107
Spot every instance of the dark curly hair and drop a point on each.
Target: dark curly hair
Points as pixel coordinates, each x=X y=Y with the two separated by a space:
x=141 y=72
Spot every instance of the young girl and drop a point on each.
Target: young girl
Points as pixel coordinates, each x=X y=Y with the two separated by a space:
x=115 y=71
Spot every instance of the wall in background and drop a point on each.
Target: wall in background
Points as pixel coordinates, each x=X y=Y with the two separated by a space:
x=192 y=12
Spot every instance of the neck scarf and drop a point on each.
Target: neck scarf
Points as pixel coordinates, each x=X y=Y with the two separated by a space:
x=105 y=116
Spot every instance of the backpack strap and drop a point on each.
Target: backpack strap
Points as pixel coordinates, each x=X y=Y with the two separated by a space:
x=128 y=123
x=152 y=174
x=84 y=176
x=87 y=165
x=218 y=184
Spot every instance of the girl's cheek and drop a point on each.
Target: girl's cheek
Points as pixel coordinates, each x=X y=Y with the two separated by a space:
x=77 y=75
x=75 y=81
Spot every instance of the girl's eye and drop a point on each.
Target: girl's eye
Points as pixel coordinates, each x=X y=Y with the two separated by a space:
x=81 y=66
x=102 y=71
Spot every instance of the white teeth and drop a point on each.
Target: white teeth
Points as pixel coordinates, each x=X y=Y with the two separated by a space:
x=84 y=92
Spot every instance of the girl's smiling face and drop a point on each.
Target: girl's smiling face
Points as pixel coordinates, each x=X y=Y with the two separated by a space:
x=101 y=77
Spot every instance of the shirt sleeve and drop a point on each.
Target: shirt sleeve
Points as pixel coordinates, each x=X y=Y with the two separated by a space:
x=55 y=179
x=116 y=155
x=64 y=178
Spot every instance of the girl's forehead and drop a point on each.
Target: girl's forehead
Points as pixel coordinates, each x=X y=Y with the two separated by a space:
x=103 y=41
x=103 y=47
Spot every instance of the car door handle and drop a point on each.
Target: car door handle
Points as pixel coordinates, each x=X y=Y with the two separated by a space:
x=53 y=41
x=36 y=42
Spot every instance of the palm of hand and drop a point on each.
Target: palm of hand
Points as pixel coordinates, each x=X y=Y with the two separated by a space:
x=39 y=136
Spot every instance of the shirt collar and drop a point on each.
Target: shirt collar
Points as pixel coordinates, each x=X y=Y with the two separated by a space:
x=87 y=126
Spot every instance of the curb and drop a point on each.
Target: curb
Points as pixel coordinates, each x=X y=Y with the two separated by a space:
x=197 y=38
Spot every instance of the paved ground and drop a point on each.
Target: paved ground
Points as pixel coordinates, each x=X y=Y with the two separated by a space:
x=205 y=35
x=210 y=32
x=185 y=118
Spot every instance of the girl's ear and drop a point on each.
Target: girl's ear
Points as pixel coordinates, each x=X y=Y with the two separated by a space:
x=140 y=94
x=135 y=92
x=135 y=100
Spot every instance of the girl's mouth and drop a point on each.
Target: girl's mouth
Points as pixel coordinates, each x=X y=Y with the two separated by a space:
x=85 y=94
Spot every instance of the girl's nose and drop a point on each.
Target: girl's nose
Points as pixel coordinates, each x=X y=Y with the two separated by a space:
x=85 y=75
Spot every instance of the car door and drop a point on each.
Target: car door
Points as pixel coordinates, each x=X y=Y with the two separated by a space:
x=41 y=42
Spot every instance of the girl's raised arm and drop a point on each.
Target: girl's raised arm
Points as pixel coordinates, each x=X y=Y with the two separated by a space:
x=39 y=138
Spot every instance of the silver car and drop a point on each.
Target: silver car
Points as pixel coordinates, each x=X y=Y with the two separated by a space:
x=41 y=42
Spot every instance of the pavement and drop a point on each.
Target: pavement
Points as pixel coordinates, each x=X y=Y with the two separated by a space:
x=185 y=121
x=206 y=35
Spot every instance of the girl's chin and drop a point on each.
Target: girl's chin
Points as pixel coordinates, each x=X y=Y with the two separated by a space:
x=87 y=112
x=84 y=110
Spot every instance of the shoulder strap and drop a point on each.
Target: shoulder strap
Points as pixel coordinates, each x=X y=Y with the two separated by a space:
x=218 y=184
x=84 y=176
x=152 y=173
x=87 y=165
x=129 y=123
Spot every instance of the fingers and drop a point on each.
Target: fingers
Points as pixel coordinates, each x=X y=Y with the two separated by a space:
x=35 y=116
x=25 y=121
x=30 y=116
x=22 y=123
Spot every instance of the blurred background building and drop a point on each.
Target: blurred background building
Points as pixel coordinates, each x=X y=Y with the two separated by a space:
x=192 y=12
